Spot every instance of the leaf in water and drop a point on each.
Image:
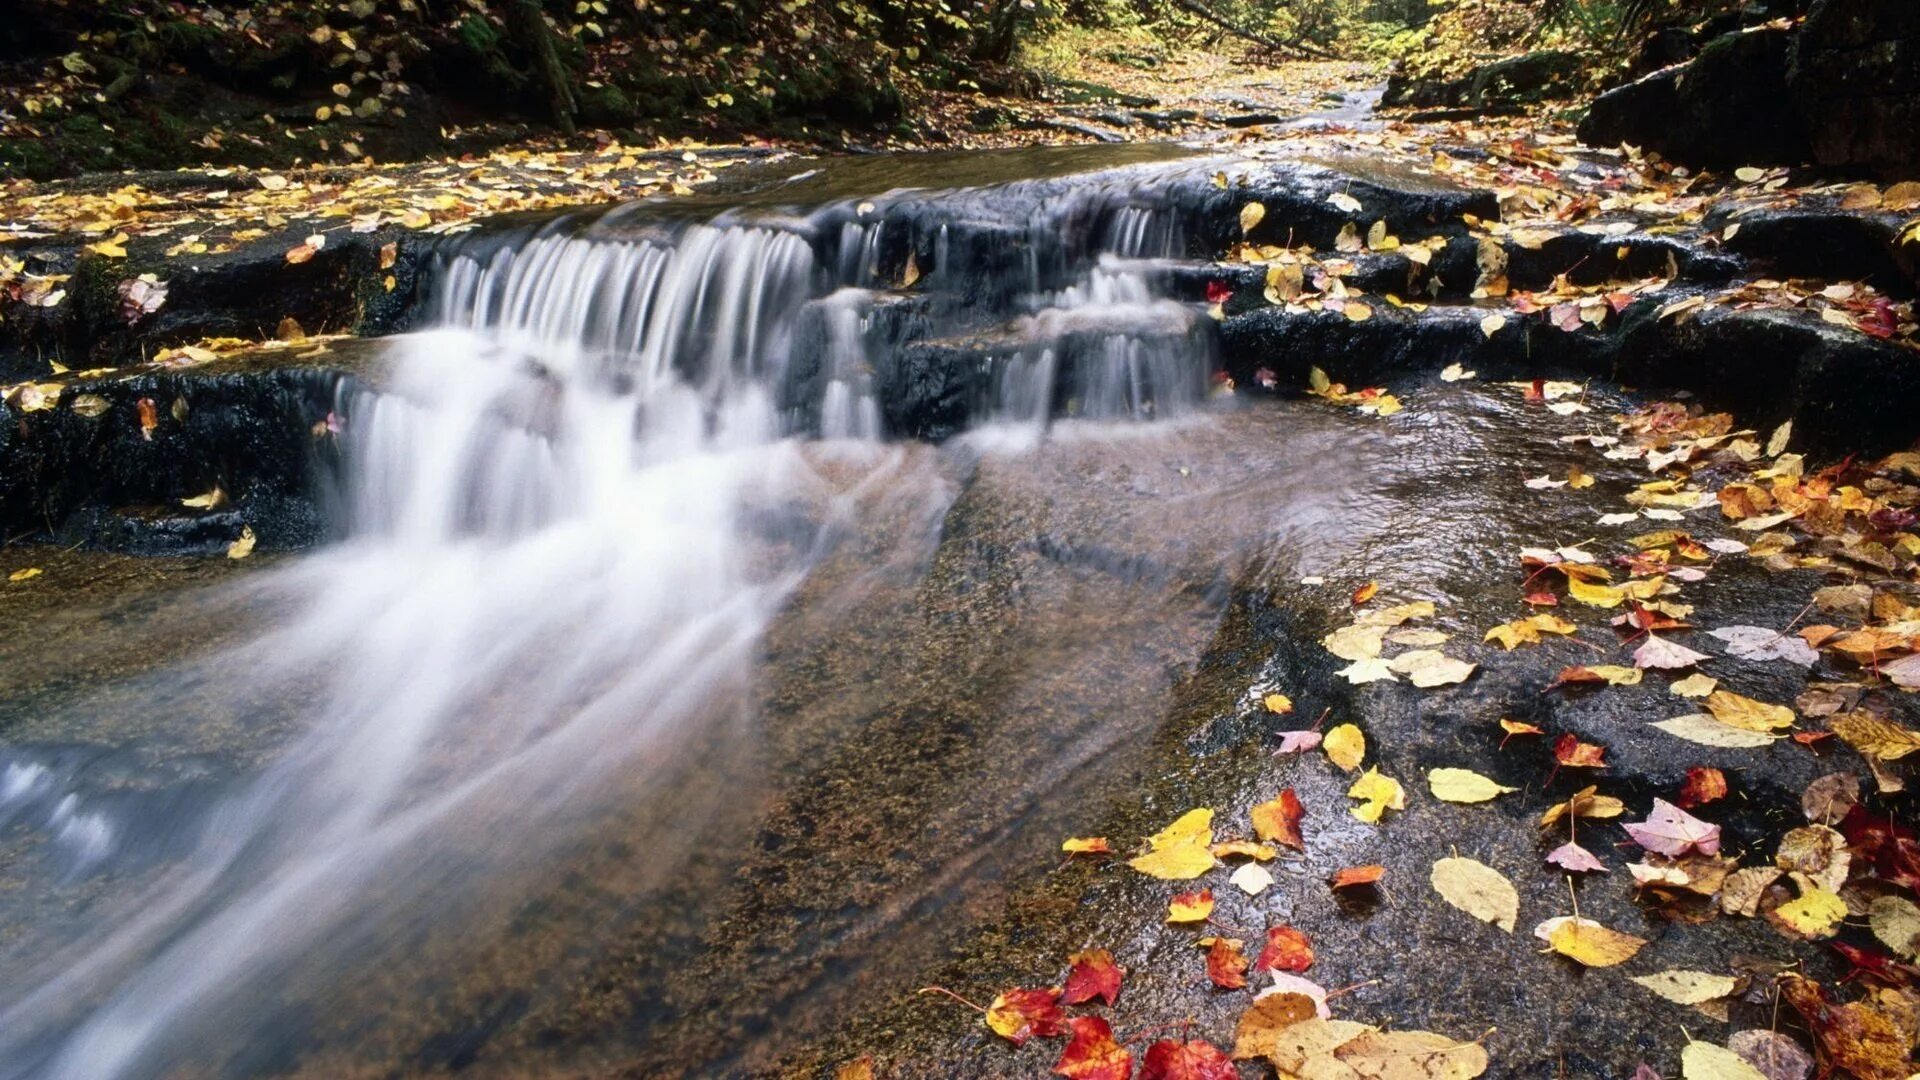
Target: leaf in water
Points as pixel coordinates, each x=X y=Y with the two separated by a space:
x=1463 y=786
x=1477 y=889
x=1181 y=851
x=1587 y=941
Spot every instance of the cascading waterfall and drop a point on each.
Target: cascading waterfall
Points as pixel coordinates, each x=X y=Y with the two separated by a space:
x=546 y=589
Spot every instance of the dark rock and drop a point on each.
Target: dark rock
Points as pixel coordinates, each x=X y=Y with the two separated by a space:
x=1814 y=242
x=1727 y=107
x=1514 y=80
x=1855 y=78
x=1241 y=120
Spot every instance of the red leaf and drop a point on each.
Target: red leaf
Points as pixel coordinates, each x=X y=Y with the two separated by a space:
x=1573 y=753
x=1093 y=975
x=1170 y=1059
x=1877 y=965
x=1889 y=847
x=1365 y=592
x=1287 y=949
x=1226 y=964
x=1091 y=1053
x=1703 y=785
x=1357 y=875
x=1218 y=292
x=1019 y=1015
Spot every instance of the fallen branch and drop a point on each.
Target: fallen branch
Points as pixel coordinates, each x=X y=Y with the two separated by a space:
x=1265 y=42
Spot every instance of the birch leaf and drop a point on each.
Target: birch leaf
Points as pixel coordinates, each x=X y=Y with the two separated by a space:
x=1477 y=889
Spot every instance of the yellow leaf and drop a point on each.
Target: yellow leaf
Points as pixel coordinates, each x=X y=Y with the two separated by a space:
x=1587 y=941
x=1584 y=803
x=1277 y=703
x=1896 y=922
x=1873 y=737
x=205 y=502
x=1705 y=730
x=1477 y=889
x=1378 y=794
x=1688 y=987
x=1463 y=786
x=1408 y=1055
x=242 y=547
x=1250 y=215
x=1705 y=1061
x=1695 y=685
x=1179 y=852
x=1345 y=746
x=1358 y=312
x=1279 y=1024
x=114 y=248
x=1746 y=713
x=1191 y=907
x=1815 y=913
x=1085 y=845
x=27 y=574
x=1527 y=631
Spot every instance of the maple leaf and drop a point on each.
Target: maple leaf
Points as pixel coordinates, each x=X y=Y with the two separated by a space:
x=1278 y=820
x=1703 y=785
x=1018 y=1015
x=1226 y=963
x=1298 y=742
x=1355 y=876
x=1658 y=652
x=1091 y=1053
x=1218 y=292
x=1670 y=830
x=1286 y=949
x=1180 y=851
x=1572 y=856
x=1092 y=974
x=1190 y=907
x=1515 y=727
x=1196 y=1059
x=1574 y=754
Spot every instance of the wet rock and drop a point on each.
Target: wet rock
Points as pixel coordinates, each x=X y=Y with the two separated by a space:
x=1811 y=241
x=1855 y=78
x=1514 y=80
x=1729 y=106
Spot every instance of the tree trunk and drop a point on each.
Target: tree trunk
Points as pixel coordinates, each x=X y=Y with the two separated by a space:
x=527 y=25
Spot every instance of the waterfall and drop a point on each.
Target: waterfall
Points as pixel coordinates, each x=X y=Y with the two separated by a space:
x=547 y=589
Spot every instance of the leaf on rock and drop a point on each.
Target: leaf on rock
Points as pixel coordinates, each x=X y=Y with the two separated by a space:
x=1378 y=793
x=1896 y=922
x=1584 y=803
x=1361 y=672
x=1179 y=852
x=1355 y=876
x=1286 y=949
x=1855 y=1037
x=1696 y=685
x=1190 y=907
x=1588 y=942
x=1572 y=753
x=1092 y=974
x=1747 y=714
x=1815 y=913
x=1262 y=1031
x=1705 y=1061
x=1086 y=845
x=1278 y=820
x=1298 y=742
x=1477 y=889
x=1704 y=784
x=1251 y=215
x=1685 y=987
x=1658 y=652
x=1873 y=737
x=1705 y=730
x=1572 y=856
x=1252 y=879
x=1019 y=1015
x=1410 y=1055
x=1428 y=668
x=1672 y=831
x=1527 y=631
x=1463 y=786
x=1092 y=1054
x=242 y=547
x=1776 y=1055
x=1345 y=746
x=1196 y=1059
x=1278 y=704
x=1759 y=643
x=1226 y=963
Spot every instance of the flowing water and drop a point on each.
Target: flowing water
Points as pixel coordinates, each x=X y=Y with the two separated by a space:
x=635 y=542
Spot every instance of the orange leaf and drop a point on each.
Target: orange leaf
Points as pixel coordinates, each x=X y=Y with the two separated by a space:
x=1086 y=845
x=1703 y=785
x=1170 y=1059
x=1226 y=964
x=149 y=417
x=1365 y=592
x=1019 y=1015
x=1515 y=727
x=1278 y=820
x=1190 y=907
x=1287 y=949
x=1357 y=875
x=1093 y=975
x=1091 y=1053
x=1573 y=753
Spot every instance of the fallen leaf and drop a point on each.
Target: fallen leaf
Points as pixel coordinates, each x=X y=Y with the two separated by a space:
x=1092 y=974
x=1672 y=831
x=1298 y=742
x=1705 y=1061
x=1366 y=592
x=1855 y=1037
x=1180 y=851
x=1896 y=922
x=1696 y=685
x=1345 y=746
x=1250 y=215
x=1252 y=879
x=1196 y=1059
x=1428 y=668
x=1019 y=1015
x=1815 y=913
x=1658 y=652
x=1685 y=987
x=242 y=547
x=1279 y=704
x=1278 y=820
x=1572 y=856
x=1873 y=737
x=1584 y=803
x=1190 y=907
x=1353 y=876
x=1463 y=786
x=1477 y=889
x=1091 y=1053
x=1410 y=1055
x=1705 y=730
x=1226 y=963
x=1378 y=794
x=1527 y=631
x=1735 y=710
x=1086 y=845
x=1588 y=942
x=1286 y=949
x=1760 y=644
x=27 y=573
x=1703 y=785
x=1570 y=752
x=861 y=1068
x=1263 y=1030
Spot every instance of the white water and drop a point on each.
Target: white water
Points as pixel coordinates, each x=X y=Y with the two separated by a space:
x=546 y=593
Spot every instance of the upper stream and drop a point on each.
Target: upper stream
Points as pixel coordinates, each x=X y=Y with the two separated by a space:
x=666 y=686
